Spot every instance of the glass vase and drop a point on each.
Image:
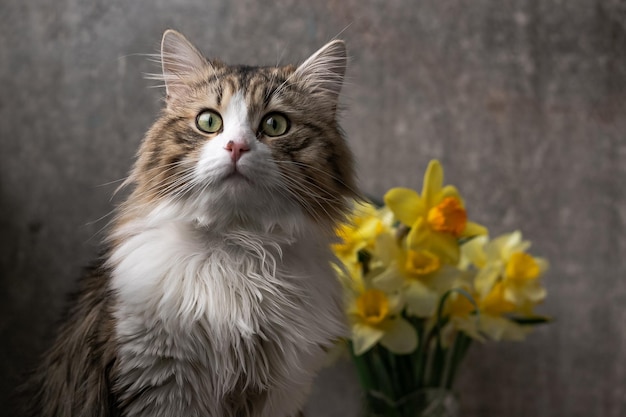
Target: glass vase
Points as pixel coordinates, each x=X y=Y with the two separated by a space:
x=427 y=402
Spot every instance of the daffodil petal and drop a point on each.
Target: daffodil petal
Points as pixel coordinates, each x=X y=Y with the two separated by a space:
x=487 y=277
x=474 y=229
x=469 y=326
x=513 y=295
x=513 y=244
x=388 y=279
x=364 y=337
x=396 y=302
x=500 y=328
x=385 y=248
x=433 y=181
x=350 y=275
x=419 y=234
x=474 y=251
x=405 y=204
x=499 y=248
x=521 y=246
x=369 y=228
x=543 y=264
x=445 y=279
x=386 y=216
x=535 y=292
x=420 y=300
x=400 y=337
x=446 y=246
x=450 y=191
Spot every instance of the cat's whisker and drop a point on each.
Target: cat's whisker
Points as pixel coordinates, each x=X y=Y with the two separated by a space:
x=286 y=165
x=106 y=226
x=163 y=168
x=293 y=186
x=163 y=187
x=322 y=172
x=167 y=167
x=186 y=189
x=287 y=192
x=106 y=184
x=184 y=179
x=305 y=189
x=99 y=219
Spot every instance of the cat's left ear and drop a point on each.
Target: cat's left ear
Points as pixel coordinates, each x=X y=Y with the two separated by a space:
x=324 y=70
x=180 y=61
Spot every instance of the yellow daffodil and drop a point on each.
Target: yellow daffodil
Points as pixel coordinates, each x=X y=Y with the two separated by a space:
x=491 y=321
x=437 y=217
x=427 y=279
x=506 y=283
x=423 y=277
x=350 y=275
x=504 y=260
x=461 y=303
x=359 y=232
x=490 y=327
x=376 y=317
x=375 y=314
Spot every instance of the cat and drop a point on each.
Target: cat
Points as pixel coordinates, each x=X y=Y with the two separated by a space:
x=215 y=294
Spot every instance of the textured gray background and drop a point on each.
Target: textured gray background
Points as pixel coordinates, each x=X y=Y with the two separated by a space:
x=522 y=100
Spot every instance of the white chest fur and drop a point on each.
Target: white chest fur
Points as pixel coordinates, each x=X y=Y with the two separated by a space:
x=221 y=325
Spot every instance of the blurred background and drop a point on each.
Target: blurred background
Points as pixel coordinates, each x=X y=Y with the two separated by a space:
x=523 y=101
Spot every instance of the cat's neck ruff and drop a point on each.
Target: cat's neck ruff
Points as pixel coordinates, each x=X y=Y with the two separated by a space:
x=169 y=243
x=230 y=308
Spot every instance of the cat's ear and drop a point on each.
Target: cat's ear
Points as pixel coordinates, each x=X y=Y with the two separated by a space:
x=180 y=60
x=325 y=69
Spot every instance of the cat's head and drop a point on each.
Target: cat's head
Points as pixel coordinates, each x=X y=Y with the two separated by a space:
x=241 y=145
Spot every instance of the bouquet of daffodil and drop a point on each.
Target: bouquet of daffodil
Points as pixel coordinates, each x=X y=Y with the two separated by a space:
x=421 y=282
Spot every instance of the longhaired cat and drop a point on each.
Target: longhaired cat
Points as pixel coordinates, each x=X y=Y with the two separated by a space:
x=215 y=295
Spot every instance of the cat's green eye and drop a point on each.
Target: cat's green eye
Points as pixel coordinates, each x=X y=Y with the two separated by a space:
x=209 y=121
x=274 y=124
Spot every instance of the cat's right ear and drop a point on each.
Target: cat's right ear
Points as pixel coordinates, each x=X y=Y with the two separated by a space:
x=180 y=61
x=324 y=70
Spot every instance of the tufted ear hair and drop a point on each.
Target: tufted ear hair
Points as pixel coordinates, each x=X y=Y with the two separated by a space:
x=324 y=70
x=180 y=60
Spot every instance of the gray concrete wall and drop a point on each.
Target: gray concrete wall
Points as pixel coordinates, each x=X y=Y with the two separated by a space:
x=524 y=101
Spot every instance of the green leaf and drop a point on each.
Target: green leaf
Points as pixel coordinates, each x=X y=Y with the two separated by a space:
x=531 y=321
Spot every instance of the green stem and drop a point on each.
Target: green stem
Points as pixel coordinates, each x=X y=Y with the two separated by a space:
x=462 y=343
x=405 y=371
x=439 y=363
x=367 y=380
x=383 y=363
x=420 y=356
x=382 y=372
x=440 y=355
x=429 y=360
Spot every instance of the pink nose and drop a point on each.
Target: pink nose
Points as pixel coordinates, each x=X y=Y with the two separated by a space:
x=236 y=149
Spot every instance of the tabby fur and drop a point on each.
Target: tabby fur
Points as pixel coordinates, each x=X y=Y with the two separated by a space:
x=215 y=295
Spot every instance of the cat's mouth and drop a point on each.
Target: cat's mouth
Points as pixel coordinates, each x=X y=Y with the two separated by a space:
x=236 y=175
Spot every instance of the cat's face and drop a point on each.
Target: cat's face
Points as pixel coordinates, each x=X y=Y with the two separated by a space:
x=238 y=145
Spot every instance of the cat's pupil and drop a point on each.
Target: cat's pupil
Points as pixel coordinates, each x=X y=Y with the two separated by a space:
x=208 y=121
x=275 y=124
